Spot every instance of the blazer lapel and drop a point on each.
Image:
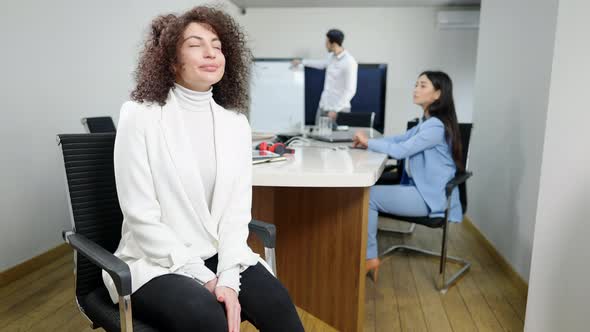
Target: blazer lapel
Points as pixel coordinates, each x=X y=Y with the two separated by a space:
x=185 y=161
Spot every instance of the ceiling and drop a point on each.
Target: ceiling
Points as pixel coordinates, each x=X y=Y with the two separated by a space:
x=244 y=4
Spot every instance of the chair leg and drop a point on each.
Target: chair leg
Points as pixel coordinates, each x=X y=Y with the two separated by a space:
x=269 y=257
x=125 y=313
x=444 y=284
x=443 y=258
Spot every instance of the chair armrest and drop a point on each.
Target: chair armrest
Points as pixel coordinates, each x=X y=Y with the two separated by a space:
x=115 y=267
x=266 y=232
x=457 y=180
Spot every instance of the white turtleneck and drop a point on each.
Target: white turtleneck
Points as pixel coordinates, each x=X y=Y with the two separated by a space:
x=197 y=114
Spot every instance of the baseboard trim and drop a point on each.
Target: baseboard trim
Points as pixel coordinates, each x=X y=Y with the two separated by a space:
x=34 y=263
x=502 y=262
x=26 y=267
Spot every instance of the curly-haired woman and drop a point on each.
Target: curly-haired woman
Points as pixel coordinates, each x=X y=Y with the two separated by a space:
x=184 y=180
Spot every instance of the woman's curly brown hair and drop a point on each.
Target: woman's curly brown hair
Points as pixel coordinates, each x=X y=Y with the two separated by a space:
x=155 y=74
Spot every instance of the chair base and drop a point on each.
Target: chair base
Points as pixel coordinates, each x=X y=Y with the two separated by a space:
x=409 y=230
x=443 y=284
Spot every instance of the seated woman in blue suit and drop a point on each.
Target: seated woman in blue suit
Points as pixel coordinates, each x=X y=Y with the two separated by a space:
x=432 y=155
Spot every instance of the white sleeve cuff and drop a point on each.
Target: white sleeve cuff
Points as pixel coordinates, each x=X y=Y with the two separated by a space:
x=230 y=278
x=196 y=269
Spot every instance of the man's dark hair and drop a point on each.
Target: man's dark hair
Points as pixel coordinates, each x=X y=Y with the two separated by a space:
x=335 y=36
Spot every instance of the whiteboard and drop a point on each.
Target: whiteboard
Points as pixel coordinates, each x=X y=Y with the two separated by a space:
x=277 y=99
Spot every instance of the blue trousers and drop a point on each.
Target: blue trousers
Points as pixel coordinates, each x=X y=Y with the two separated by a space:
x=402 y=200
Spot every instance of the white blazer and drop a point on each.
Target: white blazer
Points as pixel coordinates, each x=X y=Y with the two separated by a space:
x=166 y=219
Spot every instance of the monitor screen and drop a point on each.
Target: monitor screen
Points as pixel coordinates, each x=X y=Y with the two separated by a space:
x=369 y=97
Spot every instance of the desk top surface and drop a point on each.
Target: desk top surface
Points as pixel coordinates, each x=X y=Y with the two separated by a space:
x=320 y=164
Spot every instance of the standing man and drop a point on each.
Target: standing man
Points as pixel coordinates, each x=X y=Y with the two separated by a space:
x=341 y=76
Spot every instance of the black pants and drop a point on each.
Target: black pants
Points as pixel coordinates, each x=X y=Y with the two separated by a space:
x=177 y=303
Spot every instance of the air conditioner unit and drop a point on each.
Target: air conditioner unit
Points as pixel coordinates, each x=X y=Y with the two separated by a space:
x=458 y=19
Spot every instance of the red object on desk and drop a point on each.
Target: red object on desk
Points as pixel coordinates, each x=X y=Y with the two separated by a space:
x=278 y=148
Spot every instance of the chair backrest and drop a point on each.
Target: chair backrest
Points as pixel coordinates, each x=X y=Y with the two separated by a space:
x=352 y=119
x=90 y=176
x=100 y=124
x=465 y=131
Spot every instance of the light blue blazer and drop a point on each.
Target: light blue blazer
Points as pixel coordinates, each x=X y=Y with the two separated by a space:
x=431 y=163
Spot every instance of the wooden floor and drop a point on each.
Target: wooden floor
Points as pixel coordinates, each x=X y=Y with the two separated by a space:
x=44 y=301
x=404 y=299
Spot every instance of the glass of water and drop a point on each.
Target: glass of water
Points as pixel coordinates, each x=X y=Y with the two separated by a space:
x=325 y=126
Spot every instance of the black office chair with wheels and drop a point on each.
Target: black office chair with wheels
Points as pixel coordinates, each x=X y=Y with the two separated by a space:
x=96 y=232
x=99 y=124
x=356 y=119
x=443 y=222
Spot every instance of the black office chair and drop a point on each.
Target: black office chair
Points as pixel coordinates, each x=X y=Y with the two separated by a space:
x=442 y=222
x=96 y=220
x=356 y=119
x=100 y=124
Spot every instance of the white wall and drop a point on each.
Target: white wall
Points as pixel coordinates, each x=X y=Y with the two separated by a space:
x=558 y=288
x=60 y=61
x=407 y=39
x=68 y=59
x=511 y=93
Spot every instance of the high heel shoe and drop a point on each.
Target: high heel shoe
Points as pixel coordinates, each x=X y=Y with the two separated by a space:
x=372 y=267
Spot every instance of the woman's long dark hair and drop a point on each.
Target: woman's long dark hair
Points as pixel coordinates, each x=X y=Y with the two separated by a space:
x=444 y=110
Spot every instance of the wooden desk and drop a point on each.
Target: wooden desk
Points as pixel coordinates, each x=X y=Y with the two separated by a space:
x=319 y=200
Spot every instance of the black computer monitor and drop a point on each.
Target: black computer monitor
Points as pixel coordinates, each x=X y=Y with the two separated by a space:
x=369 y=97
